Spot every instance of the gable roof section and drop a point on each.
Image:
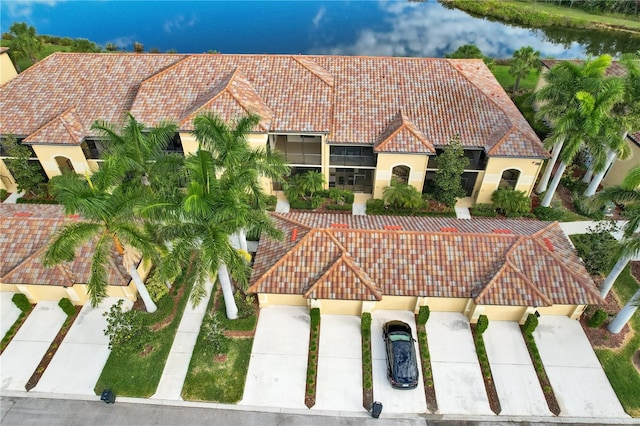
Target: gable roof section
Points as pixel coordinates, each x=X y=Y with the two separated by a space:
x=65 y=129
x=532 y=266
x=25 y=231
x=232 y=98
x=401 y=135
x=351 y=99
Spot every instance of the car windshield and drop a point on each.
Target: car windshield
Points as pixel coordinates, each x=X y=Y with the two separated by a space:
x=399 y=337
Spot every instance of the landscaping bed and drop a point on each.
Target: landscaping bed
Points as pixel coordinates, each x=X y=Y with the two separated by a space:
x=367 y=362
x=427 y=372
x=26 y=309
x=312 y=360
x=220 y=359
x=138 y=374
x=485 y=367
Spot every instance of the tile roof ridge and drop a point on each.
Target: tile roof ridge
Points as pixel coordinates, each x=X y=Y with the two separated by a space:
x=128 y=278
x=66 y=271
x=404 y=123
x=561 y=263
x=36 y=254
x=314 y=68
x=58 y=117
x=282 y=216
x=361 y=273
x=550 y=226
x=253 y=288
x=497 y=145
x=323 y=276
x=34 y=66
x=163 y=71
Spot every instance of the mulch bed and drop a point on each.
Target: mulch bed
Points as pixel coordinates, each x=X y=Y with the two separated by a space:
x=490 y=387
x=312 y=364
x=601 y=337
x=53 y=348
x=177 y=296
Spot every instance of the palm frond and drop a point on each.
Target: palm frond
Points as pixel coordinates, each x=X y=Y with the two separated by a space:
x=63 y=246
x=98 y=282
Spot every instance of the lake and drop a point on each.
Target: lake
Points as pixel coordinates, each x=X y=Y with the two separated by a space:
x=388 y=28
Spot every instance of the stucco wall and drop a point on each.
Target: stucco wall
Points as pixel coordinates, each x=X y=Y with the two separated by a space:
x=281 y=299
x=403 y=303
x=504 y=313
x=7 y=70
x=7 y=182
x=77 y=293
x=47 y=155
x=386 y=162
x=620 y=168
x=529 y=169
x=341 y=307
x=572 y=311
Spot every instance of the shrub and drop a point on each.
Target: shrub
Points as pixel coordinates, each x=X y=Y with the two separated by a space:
x=246 y=306
x=530 y=324
x=423 y=315
x=341 y=196
x=23 y=200
x=66 y=306
x=510 y=202
x=365 y=322
x=21 y=302
x=156 y=288
x=127 y=331
x=3 y=194
x=375 y=206
x=315 y=317
x=598 y=318
x=271 y=201
x=213 y=335
x=483 y=210
x=339 y=207
x=549 y=214
x=481 y=326
x=571 y=182
x=597 y=249
x=301 y=204
x=585 y=207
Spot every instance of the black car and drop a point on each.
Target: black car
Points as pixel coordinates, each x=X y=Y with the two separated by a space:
x=402 y=364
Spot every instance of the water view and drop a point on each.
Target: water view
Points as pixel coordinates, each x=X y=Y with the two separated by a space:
x=390 y=28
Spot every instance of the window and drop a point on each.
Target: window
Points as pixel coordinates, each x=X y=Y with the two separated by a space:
x=509 y=179
x=352 y=156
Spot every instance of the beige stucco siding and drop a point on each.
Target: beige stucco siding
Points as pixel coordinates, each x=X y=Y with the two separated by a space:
x=620 y=168
x=189 y=143
x=77 y=293
x=7 y=182
x=417 y=164
x=572 y=311
x=47 y=155
x=266 y=299
x=529 y=169
x=504 y=313
x=7 y=70
x=341 y=307
x=401 y=303
x=447 y=304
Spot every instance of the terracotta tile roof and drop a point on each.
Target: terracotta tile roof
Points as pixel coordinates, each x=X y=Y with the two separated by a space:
x=65 y=129
x=365 y=259
x=3 y=49
x=401 y=135
x=352 y=99
x=25 y=230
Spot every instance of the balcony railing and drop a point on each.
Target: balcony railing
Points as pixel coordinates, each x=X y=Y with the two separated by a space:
x=352 y=160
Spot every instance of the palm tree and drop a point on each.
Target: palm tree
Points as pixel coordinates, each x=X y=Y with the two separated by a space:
x=587 y=123
x=311 y=182
x=524 y=60
x=625 y=314
x=109 y=223
x=402 y=195
x=628 y=194
x=626 y=114
x=198 y=229
x=558 y=97
x=25 y=43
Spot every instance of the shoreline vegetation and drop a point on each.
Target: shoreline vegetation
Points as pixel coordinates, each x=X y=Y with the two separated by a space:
x=537 y=14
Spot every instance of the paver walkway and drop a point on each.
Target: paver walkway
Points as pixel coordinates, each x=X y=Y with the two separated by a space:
x=515 y=378
x=21 y=358
x=9 y=312
x=339 y=381
x=463 y=213
x=278 y=366
x=177 y=365
x=456 y=371
x=393 y=400
x=78 y=363
x=11 y=199
x=579 y=383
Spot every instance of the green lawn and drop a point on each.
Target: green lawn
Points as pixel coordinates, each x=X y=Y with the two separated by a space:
x=24 y=63
x=506 y=80
x=223 y=381
x=624 y=378
x=138 y=375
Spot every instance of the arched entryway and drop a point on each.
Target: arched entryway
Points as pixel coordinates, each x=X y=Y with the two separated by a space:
x=65 y=165
x=509 y=179
x=401 y=173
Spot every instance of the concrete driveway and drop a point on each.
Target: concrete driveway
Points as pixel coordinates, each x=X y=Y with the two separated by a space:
x=515 y=378
x=339 y=381
x=393 y=400
x=9 y=312
x=78 y=363
x=456 y=371
x=21 y=358
x=577 y=378
x=278 y=366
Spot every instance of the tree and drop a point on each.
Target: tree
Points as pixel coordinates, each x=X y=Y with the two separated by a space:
x=26 y=42
x=111 y=47
x=625 y=314
x=588 y=123
x=84 y=45
x=626 y=114
x=627 y=194
x=26 y=173
x=138 y=47
x=558 y=96
x=524 y=60
x=510 y=202
x=109 y=223
x=470 y=51
x=401 y=195
x=311 y=182
x=451 y=164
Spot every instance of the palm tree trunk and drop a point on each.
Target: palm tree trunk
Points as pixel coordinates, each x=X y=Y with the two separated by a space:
x=544 y=179
x=589 y=175
x=142 y=289
x=242 y=237
x=625 y=314
x=227 y=292
x=613 y=275
x=548 y=196
x=597 y=179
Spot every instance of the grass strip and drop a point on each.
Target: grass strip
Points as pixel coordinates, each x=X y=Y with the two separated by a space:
x=14 y=329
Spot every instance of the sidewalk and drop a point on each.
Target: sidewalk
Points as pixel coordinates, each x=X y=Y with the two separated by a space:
x=177 y=365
